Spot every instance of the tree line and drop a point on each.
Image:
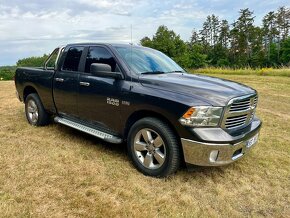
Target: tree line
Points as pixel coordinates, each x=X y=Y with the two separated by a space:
x=221 y=44
x=32 y=61
x=8 y=72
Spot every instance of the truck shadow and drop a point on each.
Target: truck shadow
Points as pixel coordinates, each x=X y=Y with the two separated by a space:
x=119 y=151
x=91 y=141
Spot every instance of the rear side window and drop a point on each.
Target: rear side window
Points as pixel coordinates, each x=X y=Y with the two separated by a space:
x=72 y=59
x=51 y=60
x=99 y=55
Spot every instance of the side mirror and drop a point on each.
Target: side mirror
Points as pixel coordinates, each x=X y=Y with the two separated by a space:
x=104 y=70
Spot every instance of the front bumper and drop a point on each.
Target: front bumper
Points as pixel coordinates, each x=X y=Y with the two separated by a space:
x=217 y=153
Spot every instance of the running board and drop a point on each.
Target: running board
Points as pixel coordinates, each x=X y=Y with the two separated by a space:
x=105 y=136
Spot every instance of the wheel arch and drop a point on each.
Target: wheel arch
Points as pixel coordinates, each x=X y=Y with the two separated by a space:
x=137 y=115
x=28 y=90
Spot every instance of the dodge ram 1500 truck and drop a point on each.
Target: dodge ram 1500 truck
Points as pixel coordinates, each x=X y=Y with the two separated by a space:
x=133 y=94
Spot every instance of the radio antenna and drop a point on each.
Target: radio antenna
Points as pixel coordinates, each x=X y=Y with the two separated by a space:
x=131 y=35
x=131 y=44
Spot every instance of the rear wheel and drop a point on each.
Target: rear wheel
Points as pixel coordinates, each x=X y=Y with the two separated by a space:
x=35 y=112
x=153 y=147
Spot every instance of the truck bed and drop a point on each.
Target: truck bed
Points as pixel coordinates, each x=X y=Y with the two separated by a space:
x=39 y=79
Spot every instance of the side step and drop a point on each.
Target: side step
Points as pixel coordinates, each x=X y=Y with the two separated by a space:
x=105 y=136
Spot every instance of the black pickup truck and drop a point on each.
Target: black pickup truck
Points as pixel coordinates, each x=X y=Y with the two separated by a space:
x=133 y=94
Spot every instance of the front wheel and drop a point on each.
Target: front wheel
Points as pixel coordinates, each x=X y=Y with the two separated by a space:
x=153 y=147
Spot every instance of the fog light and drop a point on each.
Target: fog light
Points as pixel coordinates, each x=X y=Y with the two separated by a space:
x=213 y=156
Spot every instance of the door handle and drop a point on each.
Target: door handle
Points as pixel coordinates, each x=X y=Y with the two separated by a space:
x=59 y=79
x=84 y=84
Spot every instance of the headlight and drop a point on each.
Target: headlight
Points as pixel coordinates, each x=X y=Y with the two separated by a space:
x=202 y=116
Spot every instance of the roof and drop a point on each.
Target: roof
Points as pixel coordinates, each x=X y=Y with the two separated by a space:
x=101 y=43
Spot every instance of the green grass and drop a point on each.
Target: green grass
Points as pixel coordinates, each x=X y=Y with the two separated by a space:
x=55 y=171
x=246 y=71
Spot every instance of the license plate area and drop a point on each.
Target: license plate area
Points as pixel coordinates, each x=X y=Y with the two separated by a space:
x=252 y=141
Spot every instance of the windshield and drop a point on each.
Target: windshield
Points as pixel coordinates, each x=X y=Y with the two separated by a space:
x=147 y=61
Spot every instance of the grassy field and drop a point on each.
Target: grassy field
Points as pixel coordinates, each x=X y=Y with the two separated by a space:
x=56 y=171
x=246 y=71
x=7 y=72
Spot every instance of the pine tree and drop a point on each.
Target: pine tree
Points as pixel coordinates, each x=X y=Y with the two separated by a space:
x=270 y=32
x=215 y=24
x=224 y=33
x=283 y=22
x=205 y=32
x=194 y=37
x=283 y=25
x=242 y=29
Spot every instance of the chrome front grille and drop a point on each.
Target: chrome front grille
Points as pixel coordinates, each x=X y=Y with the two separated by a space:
x=240 y=112
x=241 y=105
x=232 y=122
x=255 y=101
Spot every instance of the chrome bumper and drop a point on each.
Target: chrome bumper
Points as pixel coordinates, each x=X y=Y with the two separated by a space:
x=210 y=154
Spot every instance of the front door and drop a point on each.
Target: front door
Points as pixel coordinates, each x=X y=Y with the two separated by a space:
x=99 y=97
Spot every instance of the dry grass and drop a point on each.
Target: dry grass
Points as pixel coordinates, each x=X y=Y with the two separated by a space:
x=55 y=171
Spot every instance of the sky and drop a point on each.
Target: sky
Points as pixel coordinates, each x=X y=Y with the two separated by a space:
x=34 y=27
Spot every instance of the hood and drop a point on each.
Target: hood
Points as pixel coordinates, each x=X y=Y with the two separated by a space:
x=211 y=90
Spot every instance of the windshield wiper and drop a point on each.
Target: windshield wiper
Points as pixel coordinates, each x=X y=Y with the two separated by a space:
x=176 y=71
x=153 y=72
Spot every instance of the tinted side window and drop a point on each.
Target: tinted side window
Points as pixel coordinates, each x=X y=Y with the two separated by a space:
x=72 y=60
x=99 y=55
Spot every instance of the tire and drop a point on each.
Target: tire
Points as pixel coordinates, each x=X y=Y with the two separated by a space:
x=35 y=112
x=153 y=147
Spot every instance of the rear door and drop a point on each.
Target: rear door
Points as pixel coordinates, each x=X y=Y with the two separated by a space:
x=66 y=82
x=99 y=97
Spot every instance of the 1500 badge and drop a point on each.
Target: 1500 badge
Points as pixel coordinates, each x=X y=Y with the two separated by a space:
x=113 y=101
